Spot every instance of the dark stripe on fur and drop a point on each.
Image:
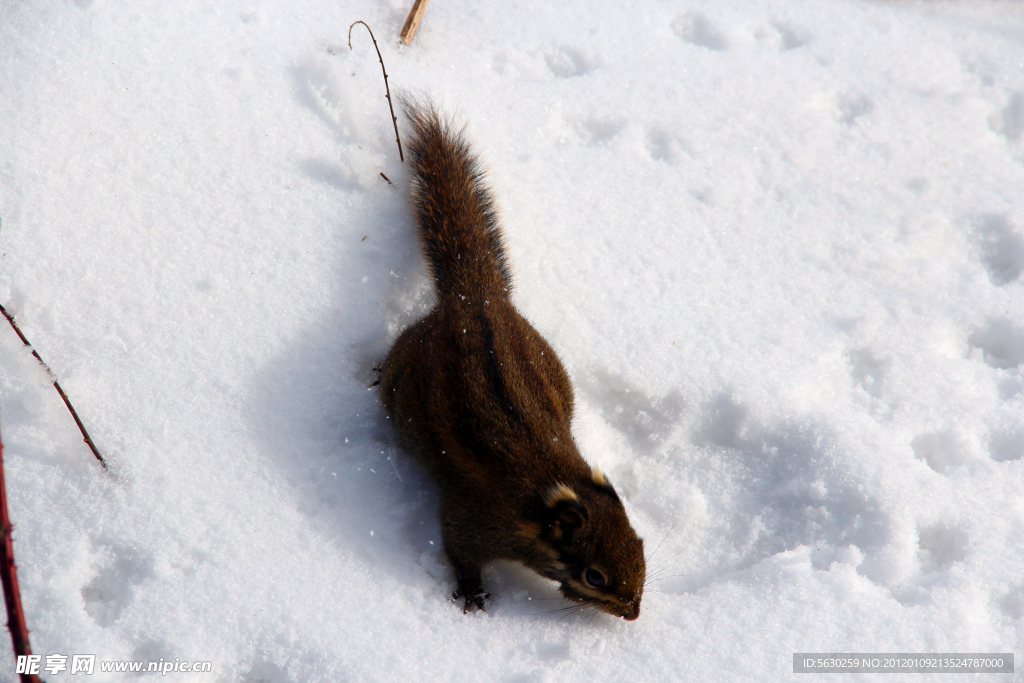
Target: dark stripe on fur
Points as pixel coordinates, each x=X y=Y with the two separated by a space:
x=494 y=372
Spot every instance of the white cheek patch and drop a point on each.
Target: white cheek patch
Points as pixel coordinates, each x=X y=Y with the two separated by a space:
x=558 y=493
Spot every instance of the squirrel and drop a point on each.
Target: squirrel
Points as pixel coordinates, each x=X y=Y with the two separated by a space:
x=484 y=405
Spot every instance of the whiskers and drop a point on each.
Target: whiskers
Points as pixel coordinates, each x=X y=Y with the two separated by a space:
x=660 y=575
x=660 y=572
x=571 y=610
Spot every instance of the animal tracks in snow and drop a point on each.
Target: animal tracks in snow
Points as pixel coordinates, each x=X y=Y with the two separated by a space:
x=1000 y=342
x=1009 y=122
x=697 y=29
x=567 y=62
x=791 y=35
x=642 y=419
x=111 y=590
x=1001 y=246
x=851 y=106
x=868 y=371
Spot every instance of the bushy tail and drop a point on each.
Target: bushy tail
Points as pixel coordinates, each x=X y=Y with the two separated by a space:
x=454 y=211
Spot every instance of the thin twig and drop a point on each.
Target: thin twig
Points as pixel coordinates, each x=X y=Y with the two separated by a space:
x=413 y=21
x=56 y=385
x=12 y=596
x=394 y=119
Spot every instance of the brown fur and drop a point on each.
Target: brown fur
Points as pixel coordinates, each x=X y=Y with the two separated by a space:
x=483 y=403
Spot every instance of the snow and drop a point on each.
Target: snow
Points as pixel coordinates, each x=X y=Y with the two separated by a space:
x=779 y=247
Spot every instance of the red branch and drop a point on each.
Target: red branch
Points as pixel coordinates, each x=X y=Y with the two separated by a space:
x=9 y=573
x=56 y=385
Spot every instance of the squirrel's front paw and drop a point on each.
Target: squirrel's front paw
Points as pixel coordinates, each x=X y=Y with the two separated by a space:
x=474 y=600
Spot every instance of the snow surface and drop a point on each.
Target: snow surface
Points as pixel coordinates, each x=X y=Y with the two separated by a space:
x=779 y=247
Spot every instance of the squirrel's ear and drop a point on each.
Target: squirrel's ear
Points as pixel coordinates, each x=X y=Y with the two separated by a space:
x=565 y=518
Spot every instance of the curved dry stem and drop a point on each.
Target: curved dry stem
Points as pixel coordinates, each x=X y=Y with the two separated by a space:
x=387 y=90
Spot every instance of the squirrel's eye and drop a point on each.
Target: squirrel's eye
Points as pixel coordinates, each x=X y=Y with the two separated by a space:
x=595 y=578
